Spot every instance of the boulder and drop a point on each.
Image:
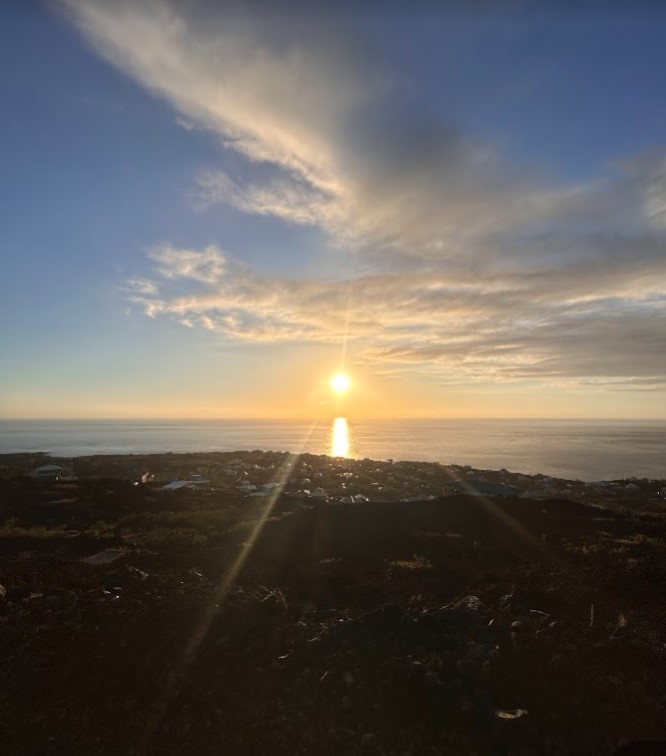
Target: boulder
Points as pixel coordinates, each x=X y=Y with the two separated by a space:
x=514 y=730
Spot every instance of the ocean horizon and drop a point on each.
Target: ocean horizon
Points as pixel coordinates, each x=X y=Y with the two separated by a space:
x=585 y=450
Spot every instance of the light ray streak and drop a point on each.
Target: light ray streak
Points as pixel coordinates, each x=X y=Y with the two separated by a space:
x=220 y=592
x=519 y=530
x=345 y=335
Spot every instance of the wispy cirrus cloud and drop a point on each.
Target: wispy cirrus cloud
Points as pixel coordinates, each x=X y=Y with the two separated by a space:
x=351 y=151
x=472 y=265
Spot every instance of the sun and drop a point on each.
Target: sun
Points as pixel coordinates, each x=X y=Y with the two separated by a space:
x=340 y=383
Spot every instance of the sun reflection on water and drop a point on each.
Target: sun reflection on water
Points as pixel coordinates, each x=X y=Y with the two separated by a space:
x=340 y=438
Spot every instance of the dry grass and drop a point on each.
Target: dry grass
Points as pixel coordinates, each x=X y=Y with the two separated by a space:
x=415 y=563
x=12 y=528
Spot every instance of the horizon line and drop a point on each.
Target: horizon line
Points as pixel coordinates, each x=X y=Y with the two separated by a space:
x=316 y=419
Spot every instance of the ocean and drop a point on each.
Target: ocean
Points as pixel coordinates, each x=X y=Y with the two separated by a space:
x=575 y=449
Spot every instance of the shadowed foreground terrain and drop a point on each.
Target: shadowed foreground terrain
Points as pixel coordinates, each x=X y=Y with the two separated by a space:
x=455 y=626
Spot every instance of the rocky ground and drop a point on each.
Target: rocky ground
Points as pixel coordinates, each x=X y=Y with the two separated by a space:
x=242 y=626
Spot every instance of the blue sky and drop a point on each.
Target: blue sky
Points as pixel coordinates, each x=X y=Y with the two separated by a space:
x=206 y=210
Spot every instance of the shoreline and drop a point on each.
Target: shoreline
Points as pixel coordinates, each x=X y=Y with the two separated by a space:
x=338 y=477
x=587 y=451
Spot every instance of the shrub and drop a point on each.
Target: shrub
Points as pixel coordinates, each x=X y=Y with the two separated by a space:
x=12 y=528
x=416 y=563
x=173 y=537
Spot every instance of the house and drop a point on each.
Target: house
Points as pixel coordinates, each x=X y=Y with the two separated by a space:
x=302 y=493
x=354 y=499
x=450 y=490
x=50 y=472
x=139 y=477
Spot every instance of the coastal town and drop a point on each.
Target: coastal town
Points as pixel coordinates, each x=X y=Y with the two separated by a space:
x=261 y=602
x=338 y=479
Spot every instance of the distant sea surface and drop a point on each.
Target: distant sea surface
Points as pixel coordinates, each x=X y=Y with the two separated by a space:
x=582 y=449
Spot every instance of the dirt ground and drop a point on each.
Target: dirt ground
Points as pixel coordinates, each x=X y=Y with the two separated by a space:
x=241 y=626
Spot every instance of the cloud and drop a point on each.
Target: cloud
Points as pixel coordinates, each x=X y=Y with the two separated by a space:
x=272 y=103
x=141 y=287
x=351 y=149
x=472 y=267
x=543 y=325
x=206 y=265
x=655 y=193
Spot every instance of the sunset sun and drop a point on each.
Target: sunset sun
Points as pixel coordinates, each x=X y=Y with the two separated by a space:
x=340 y=383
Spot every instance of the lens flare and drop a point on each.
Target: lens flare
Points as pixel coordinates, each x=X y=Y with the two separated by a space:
x=340 y=383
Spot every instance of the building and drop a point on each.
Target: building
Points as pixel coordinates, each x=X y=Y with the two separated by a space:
x=50 y=472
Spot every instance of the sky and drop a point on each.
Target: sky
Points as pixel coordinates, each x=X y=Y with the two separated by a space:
x=209 y=209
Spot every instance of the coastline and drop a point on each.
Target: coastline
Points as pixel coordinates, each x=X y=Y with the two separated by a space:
x=581 y=450
x=339 y=477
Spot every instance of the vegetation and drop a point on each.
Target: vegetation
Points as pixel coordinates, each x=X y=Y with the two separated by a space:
x=13 y=528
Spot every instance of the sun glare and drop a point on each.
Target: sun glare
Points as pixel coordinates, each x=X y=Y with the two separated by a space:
x=340 y=438
x=340 y=383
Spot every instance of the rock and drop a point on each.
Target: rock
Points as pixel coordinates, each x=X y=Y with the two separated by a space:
x=475 y=650
x=137 y=572
x=513 y=729
x=3 y=592
x=467 y=667
x=433 y=679
x=518 y=642
x=51 y=602
x=621 y=631
x=416 y=668
x=539 y=617
x=18 y=593
x=66 y=596
x=105 y=557
x=470 y=602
